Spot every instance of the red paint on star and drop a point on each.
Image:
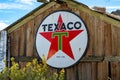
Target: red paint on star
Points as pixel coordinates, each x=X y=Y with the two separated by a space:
x=66 y=48
x=60 y=21
x=66 y=42
x=54 y=43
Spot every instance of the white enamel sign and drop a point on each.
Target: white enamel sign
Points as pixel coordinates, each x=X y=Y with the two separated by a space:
x=62 y=38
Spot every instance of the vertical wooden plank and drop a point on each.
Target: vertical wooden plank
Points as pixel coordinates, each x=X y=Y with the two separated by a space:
x=94 y=71
x=37 y=21
x=91 y=24
x=115 y=66
x=99 y=37
x=83 y=71
x=83 y=16
x=88 y=71
x=118 y=71
x=102 y=73
x=22 y=41
x=15 y=43
x=11 y=44
x=71 y=73
x=90 y=28
x=108 y=40
x=90 y=33
x=115 y=70
x=29 y=38
x=114 y=40
x=80 y=71
x=99 y=74
x=118 y=41
x=96 y=36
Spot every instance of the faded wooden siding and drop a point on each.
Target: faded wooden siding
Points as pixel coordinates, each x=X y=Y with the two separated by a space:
x=101 y=60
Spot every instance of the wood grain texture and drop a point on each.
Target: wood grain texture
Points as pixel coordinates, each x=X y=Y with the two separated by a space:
x=101 y=60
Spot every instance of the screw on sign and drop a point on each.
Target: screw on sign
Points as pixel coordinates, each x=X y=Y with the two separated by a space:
x=62 y=38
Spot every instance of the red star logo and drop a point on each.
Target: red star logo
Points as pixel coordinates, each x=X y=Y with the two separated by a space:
x=60 y=40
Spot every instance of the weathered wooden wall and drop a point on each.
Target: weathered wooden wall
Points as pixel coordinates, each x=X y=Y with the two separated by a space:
x=102 y=58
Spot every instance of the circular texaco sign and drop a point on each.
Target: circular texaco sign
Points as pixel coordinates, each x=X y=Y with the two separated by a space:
x=62 y=38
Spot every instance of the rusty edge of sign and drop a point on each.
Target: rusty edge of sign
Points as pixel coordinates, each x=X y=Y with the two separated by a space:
x=101 y=16
x=84 y=59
